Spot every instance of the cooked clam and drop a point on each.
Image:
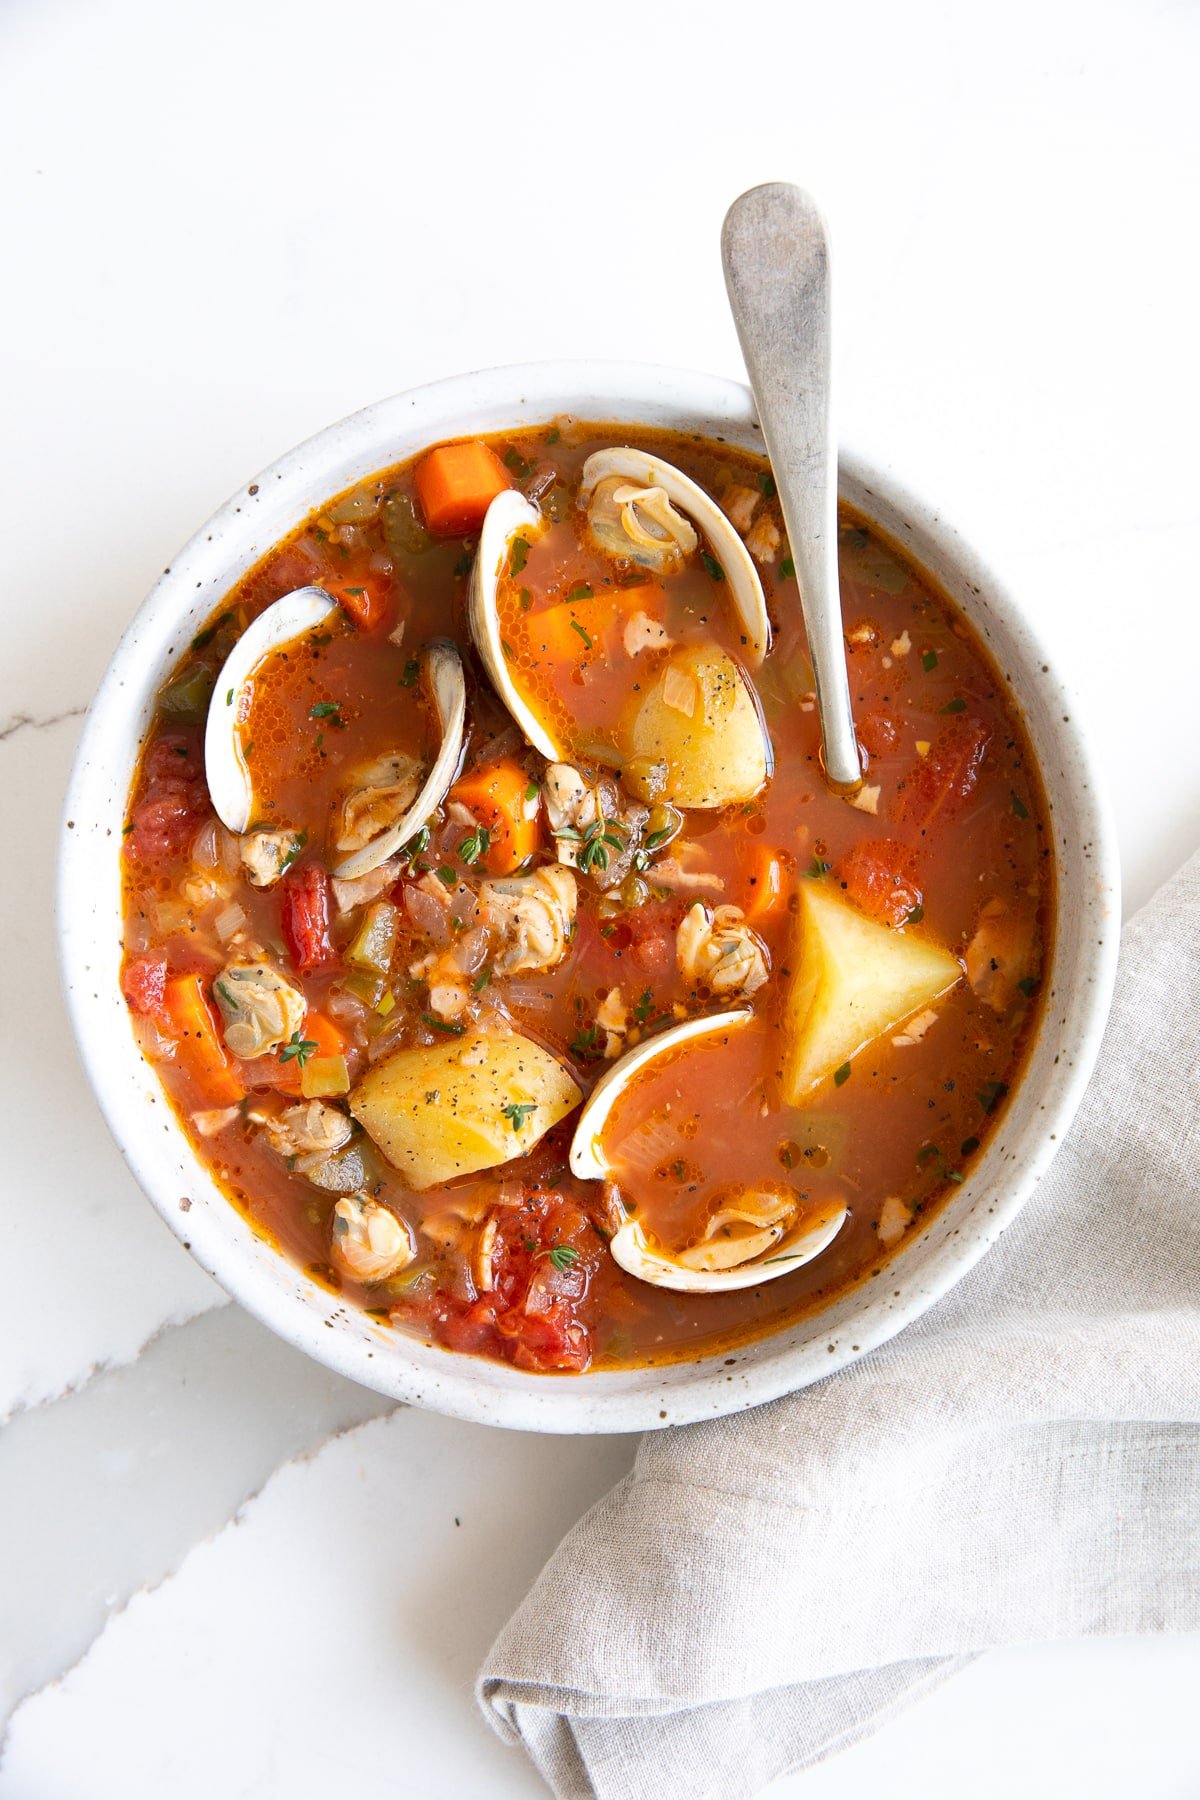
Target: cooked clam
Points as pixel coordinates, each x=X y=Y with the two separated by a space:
x=229 y=780
x=752 y=1234
x=385 y=797
x=509 y=515
x=645 y=509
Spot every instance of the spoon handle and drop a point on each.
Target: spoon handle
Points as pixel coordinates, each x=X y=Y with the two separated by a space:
x=776 y=258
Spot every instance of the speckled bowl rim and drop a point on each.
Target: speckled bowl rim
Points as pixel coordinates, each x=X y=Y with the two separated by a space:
x=1078 y=986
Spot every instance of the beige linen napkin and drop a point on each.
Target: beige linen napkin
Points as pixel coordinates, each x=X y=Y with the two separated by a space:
x=1021 y=1464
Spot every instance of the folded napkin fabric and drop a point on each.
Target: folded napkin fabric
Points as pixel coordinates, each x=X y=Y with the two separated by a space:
x=1020 y=1465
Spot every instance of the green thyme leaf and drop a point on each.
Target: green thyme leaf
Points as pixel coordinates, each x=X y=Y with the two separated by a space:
x=586 y=636
x=297 y=1049
x=412 y=671
x=958 y=704
x=841 y=1076
x=929 y=661
x=1018 y=805
x=324 y=709
x=446 y=1025
x=518 y=555
x=787 y=569
x=447 y=875
x=475 y=845
x=517 y=1111
x=582 y=590
x=713 y=567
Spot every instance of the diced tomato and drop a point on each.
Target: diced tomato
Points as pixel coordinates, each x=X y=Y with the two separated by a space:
x=879 y=876
x=878 y=732
x=174 y=803
x=644 y=936
x=940 y=781
x=367 y=601
x=305 y=918
x=143 y=983
x=544 y=1254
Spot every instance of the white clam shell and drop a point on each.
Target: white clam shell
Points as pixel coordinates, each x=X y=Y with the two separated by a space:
x=508 y=514
x=229 y=781
x=745 y=588
x=448 y=687
x=629 y=1246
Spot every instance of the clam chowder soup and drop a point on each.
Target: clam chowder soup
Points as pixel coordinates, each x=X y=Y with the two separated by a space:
x=499 y=944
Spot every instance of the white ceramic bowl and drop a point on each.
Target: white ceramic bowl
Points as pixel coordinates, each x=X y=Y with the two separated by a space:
x=1077 y=990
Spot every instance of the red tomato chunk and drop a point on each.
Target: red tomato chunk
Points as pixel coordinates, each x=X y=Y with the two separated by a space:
x=879 y=876
x=144 y=983
x=305 y=919
x=174 y=804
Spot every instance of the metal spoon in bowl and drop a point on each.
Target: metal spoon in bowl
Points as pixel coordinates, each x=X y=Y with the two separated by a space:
x=776 y=257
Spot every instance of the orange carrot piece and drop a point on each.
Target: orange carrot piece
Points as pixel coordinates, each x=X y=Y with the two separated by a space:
x=456 y=484
x=764 y=884
x=366 y=602
x=201 y=1047
x=495 y=795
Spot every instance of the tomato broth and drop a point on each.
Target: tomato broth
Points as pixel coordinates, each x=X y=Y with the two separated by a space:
x=946 y=845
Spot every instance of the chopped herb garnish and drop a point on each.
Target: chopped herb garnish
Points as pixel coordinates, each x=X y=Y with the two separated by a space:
x=412 y=670
x=841 y=1076
x=563 y=1256
x=585 y=635
x=929 y=660
x=767 y=484
x=229 y=698
x=298 y=843
x=655 y=838
x=569 y=834
x=482 y=979
x=969 y=1146
x=526 y=599
x=516 y=462
x=553 y=435
x=787 y=569
x=446 y=1025
x=297 y=1049
x=324 y=709
x=463 y=566
x=1028 y=985
x=991 y=1094
x=643 y=1007
x=585 y=1046
x=1018 y=805
x=447 y=875
x=475 y=845
x=532 y=792
x=926 y=1154
x=958 y=704
x=508 y=650
x=517 y=1111
x=518 y=552
x=582 y=590
x=915 y=914
x=816 y=869
x=713 y=567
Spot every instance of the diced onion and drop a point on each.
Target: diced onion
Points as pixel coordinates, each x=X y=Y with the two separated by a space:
x=205 y=847
x=229 y=921
x=679 y=691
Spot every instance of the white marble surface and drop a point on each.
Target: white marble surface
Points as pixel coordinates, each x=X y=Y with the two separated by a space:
x=227 y=223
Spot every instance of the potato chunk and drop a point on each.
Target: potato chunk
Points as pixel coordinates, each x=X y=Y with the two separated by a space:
x=463 y=1105
x=853 y=981
x=696 y=738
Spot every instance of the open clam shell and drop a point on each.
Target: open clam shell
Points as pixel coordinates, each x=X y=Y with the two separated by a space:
x=229 y=783
x=761 y=1254
x=508 y=514
x=444 y=675
x=644 y=473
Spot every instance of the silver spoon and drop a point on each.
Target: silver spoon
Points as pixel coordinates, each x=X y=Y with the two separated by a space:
x=776 y=257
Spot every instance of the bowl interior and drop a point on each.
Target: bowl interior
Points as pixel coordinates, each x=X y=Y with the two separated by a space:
x=1077 y=989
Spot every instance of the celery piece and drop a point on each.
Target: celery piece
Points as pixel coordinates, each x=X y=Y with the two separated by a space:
x=323 y=1076
x=366 y=987
x=185 y=697
x=374 y=944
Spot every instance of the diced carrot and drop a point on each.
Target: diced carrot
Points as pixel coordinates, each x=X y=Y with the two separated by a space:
x=763 y=894
x=456 y=484
x=201 y=1047
x=567 y=629
x=318 y=1029
x=366 y=601
x=496 y=795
